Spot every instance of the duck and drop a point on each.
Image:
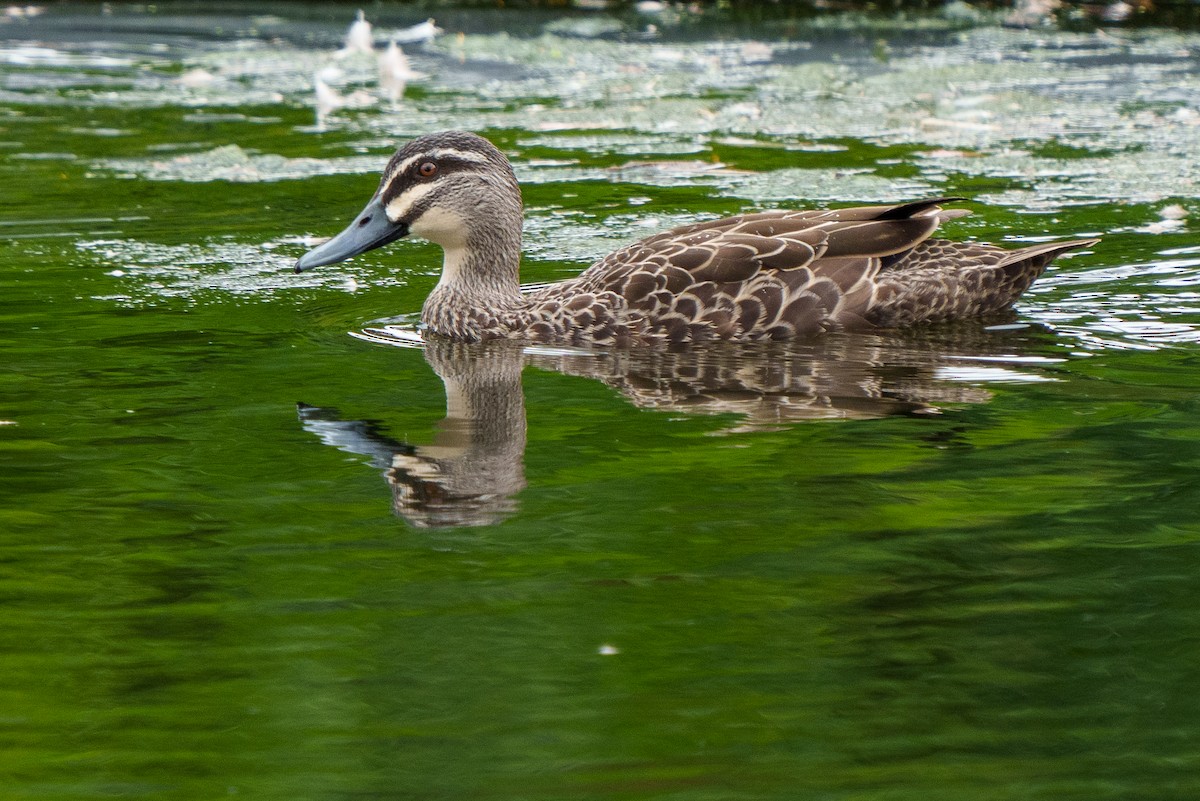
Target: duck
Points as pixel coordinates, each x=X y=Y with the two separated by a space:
x=765 y=275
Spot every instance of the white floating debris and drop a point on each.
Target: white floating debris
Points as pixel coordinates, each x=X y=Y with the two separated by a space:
x=1186 y=115
x=748 y=109
x=331 y=73
x=395 y=72
x=358 y=38
x=1171 y=219
x=754 y=52
x=232 y=163
x=608 y=650
x=1163 y=227
x=421 y=32
x=8 y=422
x=31 y=56
x=196 y=78
x=1032 y=13
x=328 y=100
x=930 y=123
x=116 y=273
x=1117 y=12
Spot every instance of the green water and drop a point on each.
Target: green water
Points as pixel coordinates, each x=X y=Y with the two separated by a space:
x=955 y=563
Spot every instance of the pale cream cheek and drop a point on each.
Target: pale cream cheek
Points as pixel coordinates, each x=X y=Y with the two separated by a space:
x=442 y=227
x=447 y=229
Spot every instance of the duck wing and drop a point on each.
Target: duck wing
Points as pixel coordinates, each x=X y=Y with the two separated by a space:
x=782 y=274
x=775 y=274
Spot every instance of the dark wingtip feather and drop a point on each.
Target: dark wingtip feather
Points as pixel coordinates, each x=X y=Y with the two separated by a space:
x=903 y=212
x=1049 y=250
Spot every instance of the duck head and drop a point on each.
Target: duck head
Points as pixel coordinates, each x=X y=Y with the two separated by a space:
x=455 y=189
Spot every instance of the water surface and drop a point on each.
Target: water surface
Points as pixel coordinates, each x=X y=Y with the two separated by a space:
x=941 y=564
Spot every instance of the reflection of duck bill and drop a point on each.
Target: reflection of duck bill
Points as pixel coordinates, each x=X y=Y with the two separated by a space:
x=432 y=486
x=471 y=473
x=473 y=470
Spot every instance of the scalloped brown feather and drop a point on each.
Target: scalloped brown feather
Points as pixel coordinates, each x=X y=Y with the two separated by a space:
x=783 y=274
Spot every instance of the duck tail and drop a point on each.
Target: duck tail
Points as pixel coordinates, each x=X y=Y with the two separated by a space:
x=943 y=280
x=1022 y=267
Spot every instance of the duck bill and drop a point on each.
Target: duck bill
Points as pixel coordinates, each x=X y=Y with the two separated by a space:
x=371 y=229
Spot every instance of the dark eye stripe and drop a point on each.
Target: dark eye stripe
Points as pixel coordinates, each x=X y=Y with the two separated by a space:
x=445 y=166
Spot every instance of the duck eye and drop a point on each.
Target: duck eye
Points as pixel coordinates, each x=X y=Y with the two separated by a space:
x=427 y=170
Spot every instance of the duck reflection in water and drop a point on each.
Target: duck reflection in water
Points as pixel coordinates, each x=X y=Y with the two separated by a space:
x=471 y=473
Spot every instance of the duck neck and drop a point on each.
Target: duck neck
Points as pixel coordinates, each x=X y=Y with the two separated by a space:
x=479 y=283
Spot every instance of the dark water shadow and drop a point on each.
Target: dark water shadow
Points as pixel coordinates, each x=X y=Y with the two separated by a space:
x=472 y=471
